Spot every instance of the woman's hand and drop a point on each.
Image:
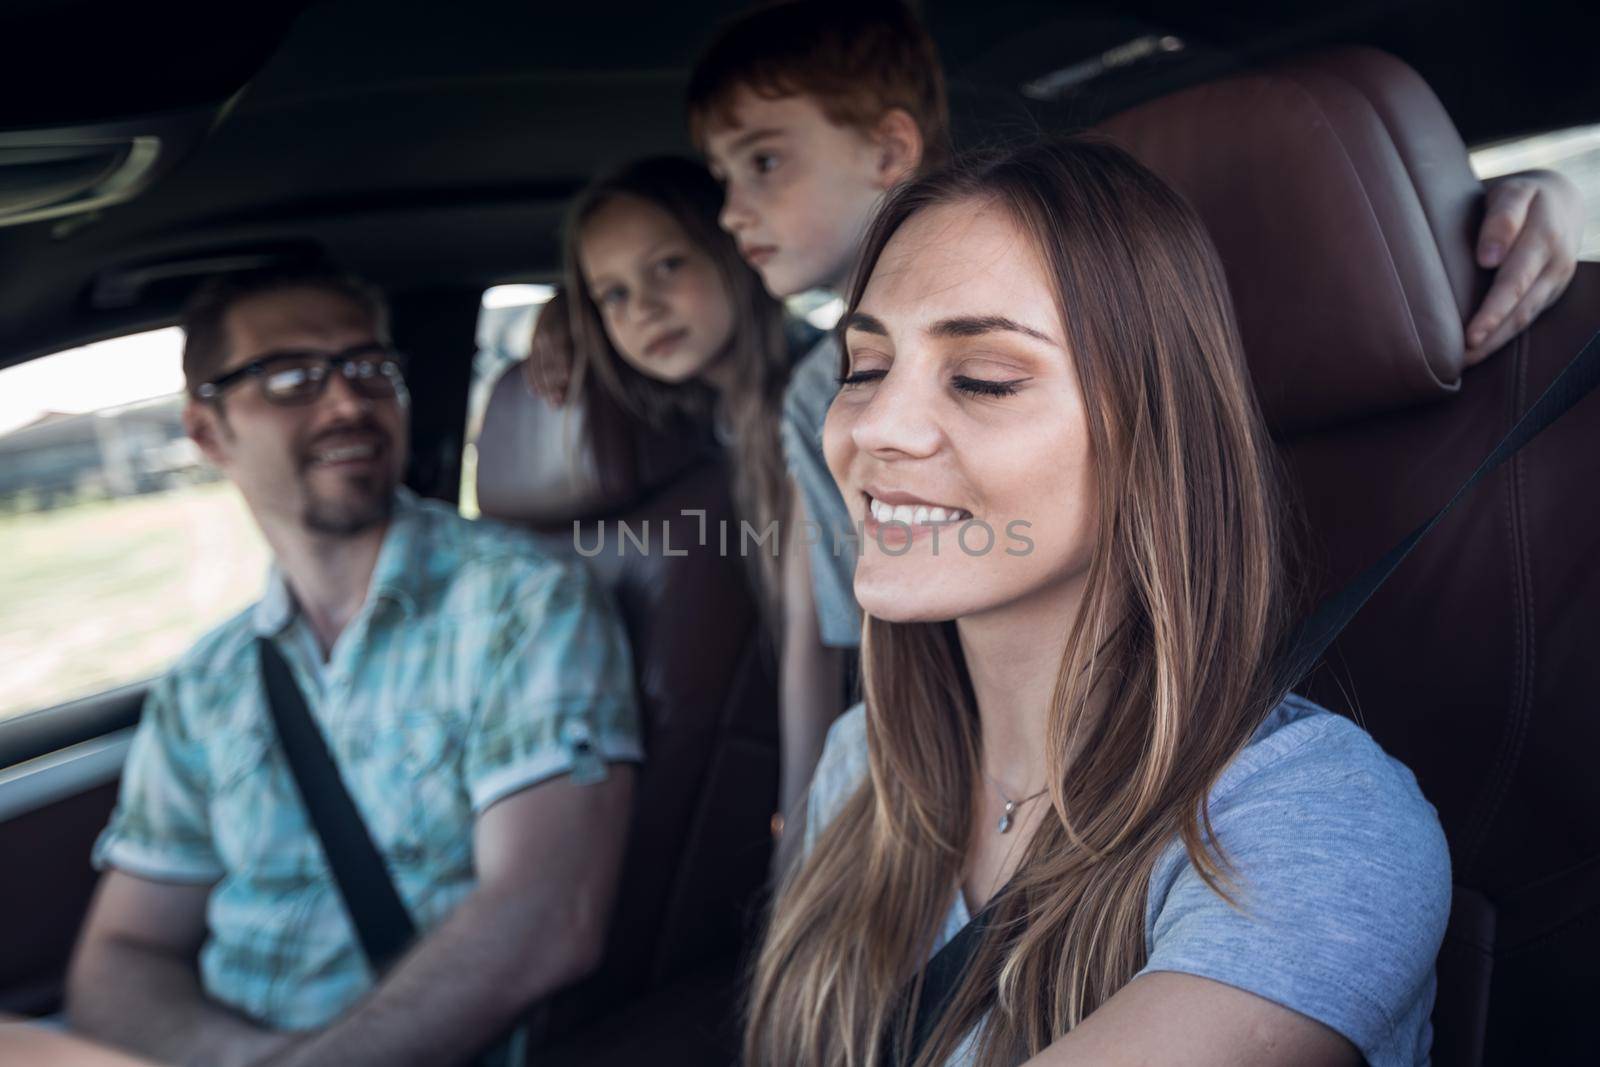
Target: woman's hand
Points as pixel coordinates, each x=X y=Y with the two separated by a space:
x=548 y=368
x=1532 y=230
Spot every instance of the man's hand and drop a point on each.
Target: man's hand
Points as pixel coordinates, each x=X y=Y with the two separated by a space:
x=1532 y=230
x=548 y=368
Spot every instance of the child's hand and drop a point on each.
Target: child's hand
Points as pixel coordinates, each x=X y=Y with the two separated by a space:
x=1532 y=230
x=548 y=368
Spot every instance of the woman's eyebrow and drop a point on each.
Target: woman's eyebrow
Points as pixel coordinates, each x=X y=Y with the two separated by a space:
x=977 y=325
x=860 y=320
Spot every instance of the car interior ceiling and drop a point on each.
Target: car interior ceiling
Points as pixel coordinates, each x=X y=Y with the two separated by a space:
x=434 y=149
x=437 y=144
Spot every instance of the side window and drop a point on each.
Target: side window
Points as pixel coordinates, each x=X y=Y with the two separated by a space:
x=505 y=333
x=119 y=546
x=1574 y=152
x=820 y=308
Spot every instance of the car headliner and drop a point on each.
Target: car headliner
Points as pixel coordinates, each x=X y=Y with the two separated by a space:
x=428 y=144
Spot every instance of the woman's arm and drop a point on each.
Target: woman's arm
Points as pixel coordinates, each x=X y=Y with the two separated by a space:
x=1181 y=1019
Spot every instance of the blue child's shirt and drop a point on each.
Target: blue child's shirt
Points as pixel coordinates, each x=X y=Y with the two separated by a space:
x=833 y=551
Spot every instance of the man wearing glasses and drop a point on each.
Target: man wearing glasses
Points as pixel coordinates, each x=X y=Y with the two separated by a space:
x=474 y=693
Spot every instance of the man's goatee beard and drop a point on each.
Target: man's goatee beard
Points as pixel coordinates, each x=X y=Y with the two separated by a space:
x=349 y=517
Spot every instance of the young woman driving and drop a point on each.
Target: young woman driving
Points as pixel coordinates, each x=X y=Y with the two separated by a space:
x=1083 y=734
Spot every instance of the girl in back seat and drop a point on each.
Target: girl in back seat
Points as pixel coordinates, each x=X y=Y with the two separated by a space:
x=668 y=320
x=1074 y=727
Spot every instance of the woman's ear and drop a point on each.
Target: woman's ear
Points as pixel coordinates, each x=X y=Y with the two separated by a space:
x=899 y=142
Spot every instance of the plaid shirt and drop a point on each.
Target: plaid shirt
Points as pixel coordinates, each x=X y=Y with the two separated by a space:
x=478 y=666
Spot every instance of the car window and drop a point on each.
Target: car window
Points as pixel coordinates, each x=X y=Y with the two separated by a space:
x=1573 y=152
x=505 y=331
x=118 y=545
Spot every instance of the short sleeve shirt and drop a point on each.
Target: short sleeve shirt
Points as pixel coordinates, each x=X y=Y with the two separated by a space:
x=833 y=551
x=478 y=666
x=1343 y=877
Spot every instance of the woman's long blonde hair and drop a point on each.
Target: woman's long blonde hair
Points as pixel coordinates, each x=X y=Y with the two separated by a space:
x=1183 y=607
x=753 y=404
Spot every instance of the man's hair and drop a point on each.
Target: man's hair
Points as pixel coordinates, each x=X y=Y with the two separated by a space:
x=205 y=340
x=857 y=59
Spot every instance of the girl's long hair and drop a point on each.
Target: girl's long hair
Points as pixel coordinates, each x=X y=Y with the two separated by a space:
x=1182 y=609
x=759 y=345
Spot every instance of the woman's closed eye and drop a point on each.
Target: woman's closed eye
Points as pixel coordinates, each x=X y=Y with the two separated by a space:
x=986 y=386
x=962 y=383
x=860 y=377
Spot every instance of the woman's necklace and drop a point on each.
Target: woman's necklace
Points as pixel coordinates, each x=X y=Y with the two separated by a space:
x=1011 y=805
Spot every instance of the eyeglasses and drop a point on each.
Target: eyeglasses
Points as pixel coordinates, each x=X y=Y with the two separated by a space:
x=372 y=370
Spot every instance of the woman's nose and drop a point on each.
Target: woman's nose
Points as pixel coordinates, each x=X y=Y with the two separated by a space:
x=900 y=418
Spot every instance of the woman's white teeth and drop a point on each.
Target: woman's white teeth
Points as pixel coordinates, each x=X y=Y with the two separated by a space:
x=914 y=513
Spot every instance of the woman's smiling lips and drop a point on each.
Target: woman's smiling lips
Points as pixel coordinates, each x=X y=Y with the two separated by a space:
x=900 y=516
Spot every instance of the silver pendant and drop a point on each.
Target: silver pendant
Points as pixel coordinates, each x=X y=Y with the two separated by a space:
x=1005 y=819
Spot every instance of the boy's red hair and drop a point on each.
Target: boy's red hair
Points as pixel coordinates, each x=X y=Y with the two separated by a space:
x=858 y=59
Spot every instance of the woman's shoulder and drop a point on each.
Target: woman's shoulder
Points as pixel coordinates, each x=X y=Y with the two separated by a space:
x=1303 y=750
x=1339 y=883
x=1314 y=787
x=839 y=773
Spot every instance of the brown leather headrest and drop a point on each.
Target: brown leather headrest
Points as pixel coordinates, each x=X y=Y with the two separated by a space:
x=545 y=466
x=1341 y=199
x=534 y=461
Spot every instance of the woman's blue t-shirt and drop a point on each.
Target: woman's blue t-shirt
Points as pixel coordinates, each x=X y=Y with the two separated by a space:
x=1342 y=879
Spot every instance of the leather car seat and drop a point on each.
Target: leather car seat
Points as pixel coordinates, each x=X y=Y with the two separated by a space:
x=700 y=841
x=1342 y=201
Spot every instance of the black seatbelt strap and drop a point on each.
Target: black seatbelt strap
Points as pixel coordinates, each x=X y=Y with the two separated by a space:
x=383 y=925
x=382 y=922
x=943 y=972
x=1313 y=636
x=941 y=976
